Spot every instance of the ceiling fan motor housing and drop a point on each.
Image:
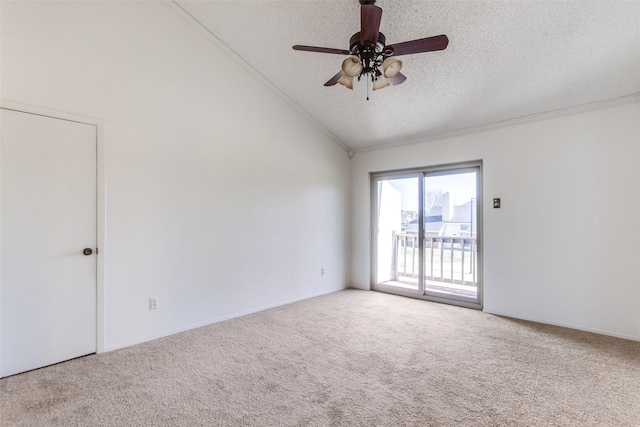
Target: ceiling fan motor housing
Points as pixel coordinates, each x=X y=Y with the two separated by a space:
x=371 y=55
x=354 y=43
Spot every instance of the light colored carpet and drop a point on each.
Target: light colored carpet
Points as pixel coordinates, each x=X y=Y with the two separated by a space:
x=352 y=358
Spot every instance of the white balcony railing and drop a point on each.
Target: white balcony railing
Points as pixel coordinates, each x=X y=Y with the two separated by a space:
x=447 y=259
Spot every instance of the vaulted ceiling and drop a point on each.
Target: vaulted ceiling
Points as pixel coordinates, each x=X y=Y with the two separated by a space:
x=505 y=60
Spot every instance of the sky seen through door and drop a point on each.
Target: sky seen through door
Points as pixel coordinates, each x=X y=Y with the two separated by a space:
x=461 y=186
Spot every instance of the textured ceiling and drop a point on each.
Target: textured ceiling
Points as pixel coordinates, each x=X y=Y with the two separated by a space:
x=505 y=60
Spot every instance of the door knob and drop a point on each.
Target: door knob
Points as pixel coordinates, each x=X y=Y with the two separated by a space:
x=87 y=251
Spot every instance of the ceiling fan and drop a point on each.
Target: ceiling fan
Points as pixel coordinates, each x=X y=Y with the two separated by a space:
x=369 y=54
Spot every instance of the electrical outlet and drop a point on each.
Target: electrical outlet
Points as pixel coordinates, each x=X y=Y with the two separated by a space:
x=496 y=203
x=153 y=303
x=322 y=271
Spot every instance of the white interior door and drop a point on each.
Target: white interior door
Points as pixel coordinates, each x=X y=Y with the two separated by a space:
x=48 y=218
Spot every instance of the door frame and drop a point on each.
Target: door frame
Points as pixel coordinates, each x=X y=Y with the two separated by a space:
x=420 y=294
x=100 y=202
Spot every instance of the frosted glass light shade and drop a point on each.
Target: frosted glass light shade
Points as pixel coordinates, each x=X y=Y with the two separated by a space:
x=380 y=82
x=352 y=66
x=346 y=81
x=391 y=66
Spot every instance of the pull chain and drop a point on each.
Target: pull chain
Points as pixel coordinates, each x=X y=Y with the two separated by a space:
x=367 y=89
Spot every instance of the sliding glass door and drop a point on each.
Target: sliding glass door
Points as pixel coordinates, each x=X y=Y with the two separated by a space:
x=426 y=234
x=451 y=234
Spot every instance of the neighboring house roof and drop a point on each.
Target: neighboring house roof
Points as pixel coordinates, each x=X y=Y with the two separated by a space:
x=433 y=221
x=408 y=215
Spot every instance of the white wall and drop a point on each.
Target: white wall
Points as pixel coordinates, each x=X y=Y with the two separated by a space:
x=220 y=198
x=565 y=246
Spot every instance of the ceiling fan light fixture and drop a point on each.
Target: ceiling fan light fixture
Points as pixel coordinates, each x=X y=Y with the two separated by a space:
x=380 y=82
x=352 y=66
x=346 y=81
x=391 y=66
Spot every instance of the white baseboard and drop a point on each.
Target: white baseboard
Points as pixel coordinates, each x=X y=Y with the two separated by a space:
x=216 y=320
x=566 y=325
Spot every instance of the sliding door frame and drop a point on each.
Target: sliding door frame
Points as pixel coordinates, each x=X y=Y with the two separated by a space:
x=422 y=173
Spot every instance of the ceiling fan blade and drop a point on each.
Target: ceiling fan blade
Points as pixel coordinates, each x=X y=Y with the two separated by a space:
x=334 y=79
x=321 y=49
x=428 y=44
x=397 y=79
x=370 y=17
